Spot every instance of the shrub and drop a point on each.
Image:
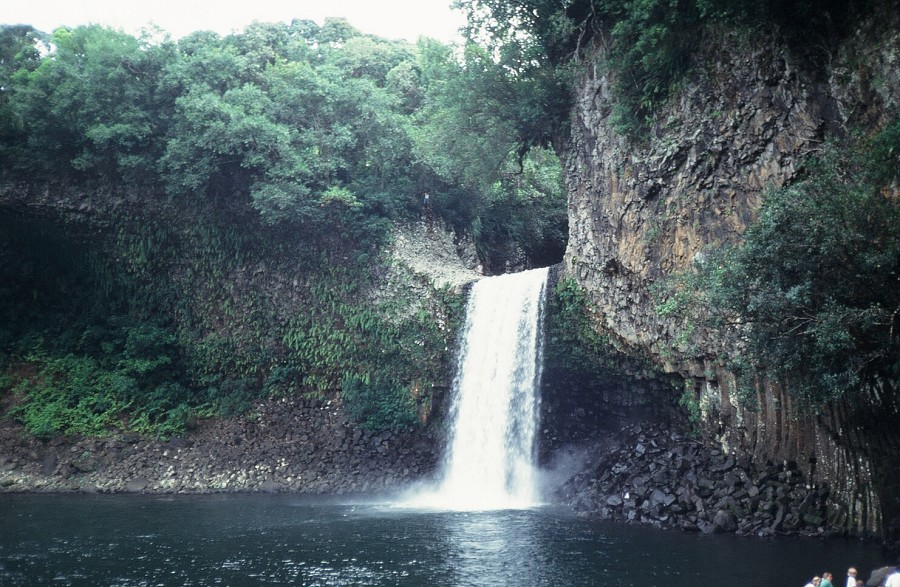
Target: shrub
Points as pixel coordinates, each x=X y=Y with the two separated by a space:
x=813 y=288
x=379 y=404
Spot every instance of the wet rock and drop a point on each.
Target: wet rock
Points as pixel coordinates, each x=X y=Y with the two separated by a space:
x=813 y=520
x=614 y=501
x=724 y=522
x=688 y=526
x=270 y=487
x=712 y=495
x=48 y=464
x=136 y=485
x=182 y=443
x=779 y=519
x=659 y=498
x=85 y=464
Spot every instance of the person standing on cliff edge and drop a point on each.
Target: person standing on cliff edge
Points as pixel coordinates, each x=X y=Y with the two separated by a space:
x=426 y=209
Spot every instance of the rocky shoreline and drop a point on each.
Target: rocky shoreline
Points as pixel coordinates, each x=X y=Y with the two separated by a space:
x=288 y=444
x=649 y=475
x=659 y=476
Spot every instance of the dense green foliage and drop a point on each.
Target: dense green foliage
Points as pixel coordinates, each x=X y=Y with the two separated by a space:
x=158 y=341
x=650 y=43
x=19 y=50
x=486 y=129
x=383 y=354
x=814 y=290
x=306 y=125
x=212 y=168
x=74 y=343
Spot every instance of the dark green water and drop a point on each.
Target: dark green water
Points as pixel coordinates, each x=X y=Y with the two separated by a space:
x=289 y=540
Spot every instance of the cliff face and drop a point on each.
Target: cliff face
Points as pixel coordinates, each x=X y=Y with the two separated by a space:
x=744 y=119
x=238 y=311
x=238 y=286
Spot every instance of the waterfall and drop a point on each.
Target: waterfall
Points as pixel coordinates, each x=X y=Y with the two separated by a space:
x=490 y=461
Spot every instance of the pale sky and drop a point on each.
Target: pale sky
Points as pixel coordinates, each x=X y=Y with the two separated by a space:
x=391 y=19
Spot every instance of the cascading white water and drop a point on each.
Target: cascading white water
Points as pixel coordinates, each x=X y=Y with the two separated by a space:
x=490 y=460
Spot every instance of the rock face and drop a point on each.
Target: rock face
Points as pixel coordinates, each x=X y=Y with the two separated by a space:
x=288 y=444
x=642 y=209
x=429 y=249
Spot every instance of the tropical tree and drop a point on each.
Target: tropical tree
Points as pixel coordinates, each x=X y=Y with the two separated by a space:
x=92 y=105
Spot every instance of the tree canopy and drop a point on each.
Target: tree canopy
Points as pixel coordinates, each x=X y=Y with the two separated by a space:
x=279 y=119
x=648 y=44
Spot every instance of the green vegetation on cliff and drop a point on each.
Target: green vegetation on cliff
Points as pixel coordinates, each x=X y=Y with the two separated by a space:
x=817 y=279
x=650 y=44
x=190 y=225
x=813 y=289
x=812 y=295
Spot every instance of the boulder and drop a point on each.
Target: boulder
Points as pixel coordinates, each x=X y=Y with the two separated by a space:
x=270 y=487
x=137 y=485
x=724 y=522
x=48 y=464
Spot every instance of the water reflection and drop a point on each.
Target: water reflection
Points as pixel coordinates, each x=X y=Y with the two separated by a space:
x=497 y=548
x=286 y=540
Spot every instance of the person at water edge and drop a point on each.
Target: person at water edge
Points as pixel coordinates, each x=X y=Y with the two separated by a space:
x=893 y=580
x=826 y=580
x=814 y=582
x=851 y=577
